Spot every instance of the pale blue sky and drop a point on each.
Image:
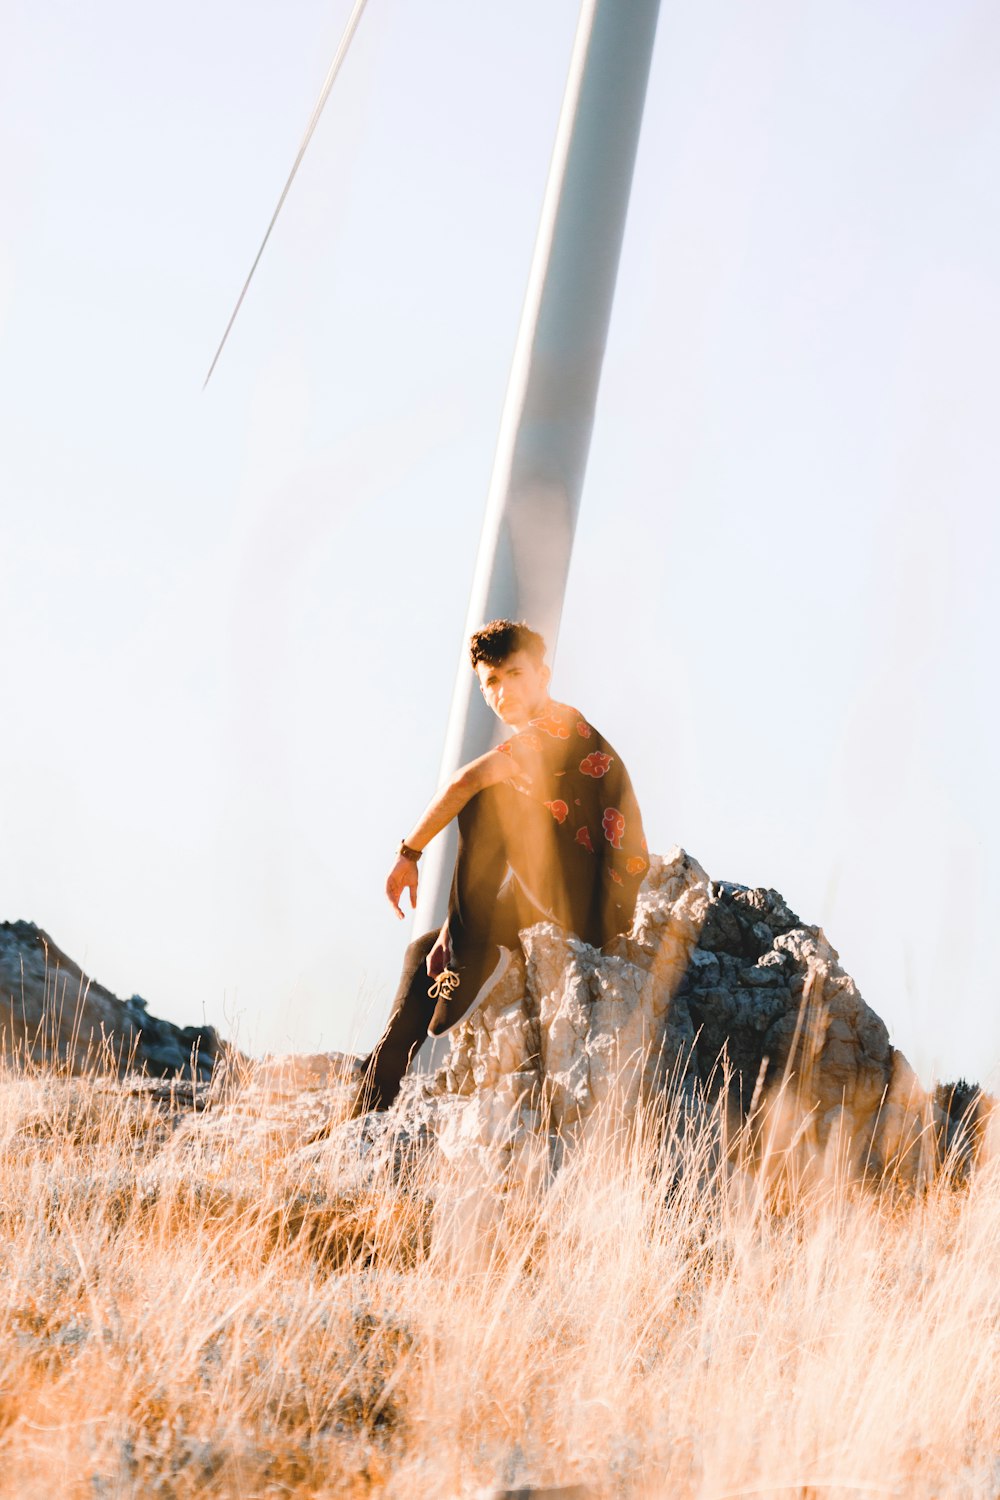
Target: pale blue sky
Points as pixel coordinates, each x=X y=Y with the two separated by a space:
x=231 y=620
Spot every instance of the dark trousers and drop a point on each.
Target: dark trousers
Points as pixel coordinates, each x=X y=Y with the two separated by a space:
x=511 y=871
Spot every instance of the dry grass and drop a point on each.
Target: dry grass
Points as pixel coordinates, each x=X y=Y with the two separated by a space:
x=211 y=1314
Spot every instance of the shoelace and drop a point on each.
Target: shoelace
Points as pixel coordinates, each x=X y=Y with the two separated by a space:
x=444 y=985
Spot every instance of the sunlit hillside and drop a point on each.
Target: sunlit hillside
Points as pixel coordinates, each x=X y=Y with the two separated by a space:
x=204 y=1302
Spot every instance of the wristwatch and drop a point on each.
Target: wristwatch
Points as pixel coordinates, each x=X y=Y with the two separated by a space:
x=406 y=852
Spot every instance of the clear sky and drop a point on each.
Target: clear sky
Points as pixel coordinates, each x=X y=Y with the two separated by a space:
x=231 y=619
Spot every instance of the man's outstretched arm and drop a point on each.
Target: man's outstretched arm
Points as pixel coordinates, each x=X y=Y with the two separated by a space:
x=493 y=767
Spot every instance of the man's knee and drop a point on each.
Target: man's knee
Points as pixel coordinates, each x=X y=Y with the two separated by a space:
x=483 y=809
x=412 y=975
x=417 y=951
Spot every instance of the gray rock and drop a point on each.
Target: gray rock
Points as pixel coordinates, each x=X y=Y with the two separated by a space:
x=52 y=1013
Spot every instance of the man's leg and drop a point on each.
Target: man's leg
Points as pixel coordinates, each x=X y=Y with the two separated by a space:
x=405 y=1029
x=499 y=831
x=486 y=909
x=475 y=916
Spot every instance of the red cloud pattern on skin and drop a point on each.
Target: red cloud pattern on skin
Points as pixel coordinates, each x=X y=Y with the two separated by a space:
x=613 y=824
x=552 y=726
x=596 y=777
x=596 y=764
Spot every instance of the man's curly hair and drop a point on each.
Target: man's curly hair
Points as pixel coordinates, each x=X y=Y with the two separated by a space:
x=495 y=642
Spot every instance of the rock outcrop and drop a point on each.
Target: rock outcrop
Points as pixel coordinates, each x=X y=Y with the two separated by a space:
x=719 y=988
x=52 y=1013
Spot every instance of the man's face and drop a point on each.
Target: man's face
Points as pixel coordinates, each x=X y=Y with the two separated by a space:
x=517 y=690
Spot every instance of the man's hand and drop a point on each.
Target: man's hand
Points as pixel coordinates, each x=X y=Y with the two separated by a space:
x=439 y=958
x=402 y=877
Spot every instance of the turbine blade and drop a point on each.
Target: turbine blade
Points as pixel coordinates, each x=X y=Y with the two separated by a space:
x=345 y=42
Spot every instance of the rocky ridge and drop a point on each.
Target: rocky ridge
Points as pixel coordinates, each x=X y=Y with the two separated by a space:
x=718 y=990
x=51 y=1013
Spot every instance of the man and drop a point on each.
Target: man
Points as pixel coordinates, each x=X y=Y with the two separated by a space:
x=548 y=830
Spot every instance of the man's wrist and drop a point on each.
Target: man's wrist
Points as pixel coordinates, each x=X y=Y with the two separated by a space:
x=406 y=851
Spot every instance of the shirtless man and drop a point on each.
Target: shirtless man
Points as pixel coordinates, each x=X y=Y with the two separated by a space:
x=549 y=830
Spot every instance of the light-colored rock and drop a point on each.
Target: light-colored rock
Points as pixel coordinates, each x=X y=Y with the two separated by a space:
x=716 y=982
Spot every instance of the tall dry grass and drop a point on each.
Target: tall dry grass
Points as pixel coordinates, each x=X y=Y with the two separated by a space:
x=191 y=1305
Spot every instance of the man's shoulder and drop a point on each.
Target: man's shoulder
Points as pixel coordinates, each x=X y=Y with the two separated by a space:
x=566 y=735
x=561 y=721
x=573 y=725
